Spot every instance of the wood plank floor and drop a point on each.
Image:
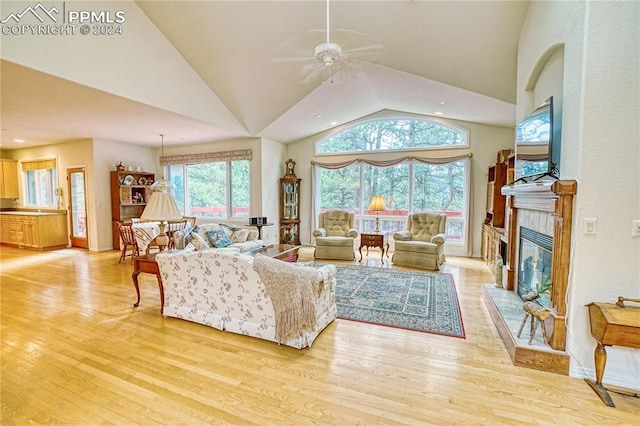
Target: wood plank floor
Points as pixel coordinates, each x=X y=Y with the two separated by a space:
x=75 y=351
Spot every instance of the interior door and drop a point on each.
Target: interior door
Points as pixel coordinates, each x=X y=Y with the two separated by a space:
x=78 y=207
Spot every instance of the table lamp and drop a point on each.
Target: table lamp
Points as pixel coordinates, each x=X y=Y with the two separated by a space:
x=377 y=205
x=161 y=207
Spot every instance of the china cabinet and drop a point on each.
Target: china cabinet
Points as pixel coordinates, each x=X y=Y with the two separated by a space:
x=290 y=206
x=129 y=194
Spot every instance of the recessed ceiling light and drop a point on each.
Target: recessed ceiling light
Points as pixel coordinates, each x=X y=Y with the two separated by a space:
x=333 y=123
x=438 y=112
x=442 y=102
x=319 y=115
x=18 y=140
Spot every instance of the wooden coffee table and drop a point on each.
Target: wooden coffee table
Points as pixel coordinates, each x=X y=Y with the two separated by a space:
x=284 y=252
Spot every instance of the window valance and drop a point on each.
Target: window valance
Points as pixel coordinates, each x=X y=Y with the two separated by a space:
x=38 y=165
x=206 y=157
x=393 y=162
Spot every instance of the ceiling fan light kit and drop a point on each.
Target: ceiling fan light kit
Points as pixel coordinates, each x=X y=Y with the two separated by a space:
x=327 y=53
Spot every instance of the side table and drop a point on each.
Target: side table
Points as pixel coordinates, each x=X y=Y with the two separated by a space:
x=374 y=239
x=259 y=226
x=147 y=264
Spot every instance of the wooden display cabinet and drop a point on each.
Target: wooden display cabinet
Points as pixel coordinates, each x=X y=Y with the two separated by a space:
x=129 y=194
x=496 y=179
x=290 y=206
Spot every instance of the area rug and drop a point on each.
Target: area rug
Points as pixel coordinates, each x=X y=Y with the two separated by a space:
x=421 y=301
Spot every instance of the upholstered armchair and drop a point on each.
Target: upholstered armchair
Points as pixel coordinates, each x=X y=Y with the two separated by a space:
x=421 y=245
x=335 y=235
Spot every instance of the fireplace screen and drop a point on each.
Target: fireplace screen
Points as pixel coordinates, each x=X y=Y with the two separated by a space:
x=535 y=259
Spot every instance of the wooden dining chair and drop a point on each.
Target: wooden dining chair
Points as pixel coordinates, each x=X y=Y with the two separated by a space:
x=173 y=226
x=128 y=240
x=191 y=220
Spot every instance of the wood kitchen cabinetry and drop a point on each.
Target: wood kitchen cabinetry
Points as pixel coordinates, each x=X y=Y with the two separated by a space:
x=9 y=179
x=34 y=230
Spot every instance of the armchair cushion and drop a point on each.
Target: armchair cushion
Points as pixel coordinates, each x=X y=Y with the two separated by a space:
x=402 y=236
x=320 y=232
x=439 y=239
x=352 y=233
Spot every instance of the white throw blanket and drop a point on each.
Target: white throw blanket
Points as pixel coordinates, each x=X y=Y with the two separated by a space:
x=290 y=288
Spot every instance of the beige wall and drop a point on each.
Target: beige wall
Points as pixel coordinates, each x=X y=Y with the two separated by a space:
x=600 y=134
x=106 y=155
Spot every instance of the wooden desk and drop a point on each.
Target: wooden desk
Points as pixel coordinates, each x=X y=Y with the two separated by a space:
x=611 y=325
x=374 y=239
x=147 y=264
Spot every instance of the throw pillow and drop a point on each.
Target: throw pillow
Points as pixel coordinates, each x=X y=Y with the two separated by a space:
x=240 y=235
x=197 y=241
x=253 y=235
x=219 y=238
x=231 y=227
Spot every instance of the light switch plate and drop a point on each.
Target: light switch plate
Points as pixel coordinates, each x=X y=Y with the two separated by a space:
x=590 y=225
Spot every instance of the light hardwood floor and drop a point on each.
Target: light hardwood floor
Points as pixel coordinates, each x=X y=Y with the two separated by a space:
x=75 y=351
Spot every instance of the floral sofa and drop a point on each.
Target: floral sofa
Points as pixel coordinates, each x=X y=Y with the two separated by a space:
x=223 y=289
x=212 y=235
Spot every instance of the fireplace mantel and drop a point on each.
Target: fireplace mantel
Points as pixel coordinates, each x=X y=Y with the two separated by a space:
x=545 y=207
x=541 y=196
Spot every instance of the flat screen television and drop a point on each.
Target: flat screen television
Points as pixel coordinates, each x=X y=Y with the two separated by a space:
x=535 y=144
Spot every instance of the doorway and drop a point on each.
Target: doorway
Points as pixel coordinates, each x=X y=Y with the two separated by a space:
x=78 y=207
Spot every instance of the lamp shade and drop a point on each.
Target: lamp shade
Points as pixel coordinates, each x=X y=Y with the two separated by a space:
x=377 y=204
x=160 y=207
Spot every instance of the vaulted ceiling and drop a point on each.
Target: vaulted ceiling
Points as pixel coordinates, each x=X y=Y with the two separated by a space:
x=457 y=58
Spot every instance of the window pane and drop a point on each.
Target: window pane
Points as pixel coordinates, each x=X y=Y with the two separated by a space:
x=240 y=191
x=175 y=175
x=441 y=188
x=40 y=187
x=393 y=134
x=340 y=189
x=393 y=184
x=207 y=189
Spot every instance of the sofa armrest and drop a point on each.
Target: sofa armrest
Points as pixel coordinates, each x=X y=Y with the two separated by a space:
x=402 y=236
x=352 y=233
x=320 y=232
x=439 y=239
x=328 y=274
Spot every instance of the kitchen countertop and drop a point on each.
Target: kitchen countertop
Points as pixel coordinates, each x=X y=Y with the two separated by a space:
x=31 y=213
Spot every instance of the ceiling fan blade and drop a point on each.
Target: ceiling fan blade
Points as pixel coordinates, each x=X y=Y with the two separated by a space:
x=370 y=53
x=294 y=59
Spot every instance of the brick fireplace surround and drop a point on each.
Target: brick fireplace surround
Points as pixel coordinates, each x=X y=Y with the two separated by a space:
x=545 y=207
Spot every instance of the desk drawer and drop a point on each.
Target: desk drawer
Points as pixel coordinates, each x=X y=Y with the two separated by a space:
x=372 y=240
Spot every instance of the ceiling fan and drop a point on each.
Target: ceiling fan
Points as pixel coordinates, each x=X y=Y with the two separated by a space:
x=329 y=55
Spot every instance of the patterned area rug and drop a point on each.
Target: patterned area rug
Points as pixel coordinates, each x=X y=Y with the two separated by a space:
x=421 y=301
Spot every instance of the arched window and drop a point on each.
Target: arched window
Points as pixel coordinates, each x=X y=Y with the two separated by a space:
x=393 y=134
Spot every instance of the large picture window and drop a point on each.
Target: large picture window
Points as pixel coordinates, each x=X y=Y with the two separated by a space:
x=213 y=185
x=393 y=134
x=407 y=184
x=39 y=181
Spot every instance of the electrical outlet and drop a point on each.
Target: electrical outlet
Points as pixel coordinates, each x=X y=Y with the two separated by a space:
x=635 y=228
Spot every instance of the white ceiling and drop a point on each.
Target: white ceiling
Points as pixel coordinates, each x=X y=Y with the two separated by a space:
x=462 y=53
